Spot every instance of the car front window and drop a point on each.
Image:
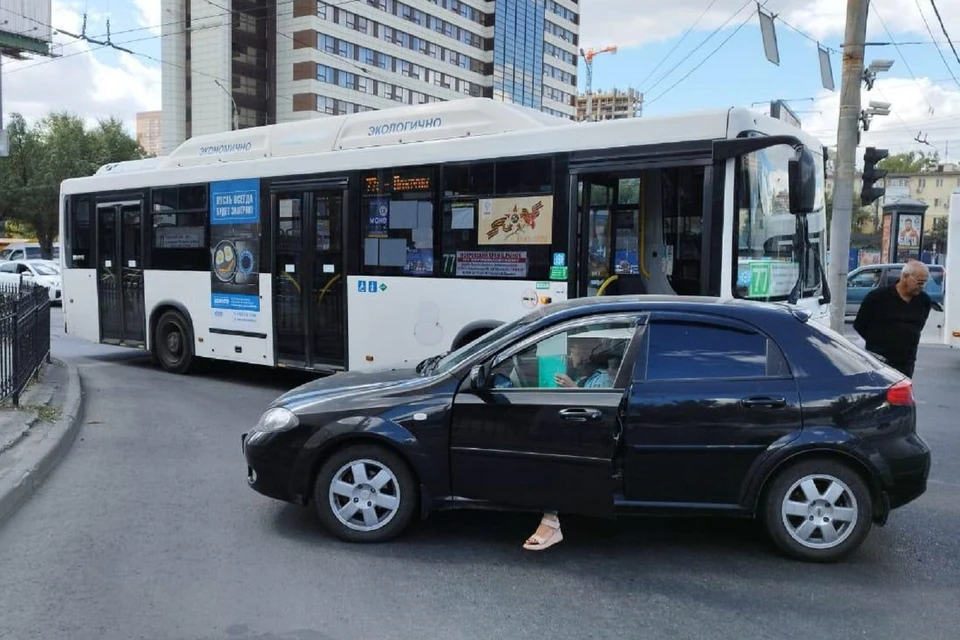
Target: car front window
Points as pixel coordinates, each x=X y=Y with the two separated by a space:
x=43 y=270
x=453 y=359
x=585 y=356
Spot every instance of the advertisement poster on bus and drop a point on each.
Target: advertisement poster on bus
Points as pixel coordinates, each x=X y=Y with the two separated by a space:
x=516 y=220
x=235 y=251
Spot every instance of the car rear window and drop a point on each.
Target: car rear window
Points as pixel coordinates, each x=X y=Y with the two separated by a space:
x=839 y=355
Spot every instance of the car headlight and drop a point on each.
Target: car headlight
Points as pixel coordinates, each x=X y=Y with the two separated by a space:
x=277 y=419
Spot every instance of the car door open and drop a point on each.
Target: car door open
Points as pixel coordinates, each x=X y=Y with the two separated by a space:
x=538 y=425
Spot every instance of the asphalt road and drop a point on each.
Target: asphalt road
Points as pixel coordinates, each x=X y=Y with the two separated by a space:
x=148 y=530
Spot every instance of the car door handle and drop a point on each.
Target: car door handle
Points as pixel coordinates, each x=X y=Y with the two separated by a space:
x=768 y=402
x=580 y=414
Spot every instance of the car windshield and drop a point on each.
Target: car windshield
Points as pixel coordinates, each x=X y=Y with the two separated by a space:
x=453 y=359
x=43 y=269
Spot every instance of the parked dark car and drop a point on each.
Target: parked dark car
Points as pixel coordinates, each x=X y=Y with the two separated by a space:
x=863 y=279
x=683 y=406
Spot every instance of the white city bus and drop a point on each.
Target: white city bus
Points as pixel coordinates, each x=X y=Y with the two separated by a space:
x=380 y=238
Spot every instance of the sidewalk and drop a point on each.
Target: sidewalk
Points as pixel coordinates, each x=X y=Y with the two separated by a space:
x=35 y=437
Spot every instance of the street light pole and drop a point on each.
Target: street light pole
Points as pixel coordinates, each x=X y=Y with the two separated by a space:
x=235 y=115
x=848 y=134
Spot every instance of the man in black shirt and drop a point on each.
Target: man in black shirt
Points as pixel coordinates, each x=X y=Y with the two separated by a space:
x=891 y=318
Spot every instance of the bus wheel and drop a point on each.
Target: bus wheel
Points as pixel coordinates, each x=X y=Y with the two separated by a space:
x=173 y=342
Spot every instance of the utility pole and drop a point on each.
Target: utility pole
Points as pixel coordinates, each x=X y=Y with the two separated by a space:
x=848 y=137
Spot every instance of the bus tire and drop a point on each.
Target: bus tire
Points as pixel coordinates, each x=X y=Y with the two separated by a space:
x=173 y=342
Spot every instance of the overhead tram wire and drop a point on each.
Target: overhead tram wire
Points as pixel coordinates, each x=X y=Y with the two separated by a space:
x=903 y=59
x=678 y=43
x=695 y=49
x=711 y=54
x=101 y=46
x=944 y=29
x=930 y=31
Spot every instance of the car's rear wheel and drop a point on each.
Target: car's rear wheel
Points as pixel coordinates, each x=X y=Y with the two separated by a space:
x=818 y=510
x=365 y=493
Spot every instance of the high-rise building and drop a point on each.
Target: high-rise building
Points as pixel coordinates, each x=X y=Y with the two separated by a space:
x=244 y=63
x=148 y=132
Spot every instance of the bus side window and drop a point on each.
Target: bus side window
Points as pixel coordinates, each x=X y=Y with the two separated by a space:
x=178 y=227
x=79 y=242
x=397 y=221
x=498 y=220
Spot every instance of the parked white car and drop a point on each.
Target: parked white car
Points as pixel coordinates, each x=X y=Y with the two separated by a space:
x=42 y=272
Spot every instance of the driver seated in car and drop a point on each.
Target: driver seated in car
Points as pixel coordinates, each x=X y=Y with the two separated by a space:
x=591 y=364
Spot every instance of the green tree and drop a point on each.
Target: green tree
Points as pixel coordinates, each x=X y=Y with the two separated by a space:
x=937 y=235
x=55 y=149
x=860 y=214
x=910 y=162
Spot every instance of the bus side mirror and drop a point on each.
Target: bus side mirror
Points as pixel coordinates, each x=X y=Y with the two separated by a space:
x=801 y=173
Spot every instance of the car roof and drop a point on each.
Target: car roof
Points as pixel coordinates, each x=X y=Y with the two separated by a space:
x=728 y=307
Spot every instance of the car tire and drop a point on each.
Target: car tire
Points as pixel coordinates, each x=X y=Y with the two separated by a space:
x=173 y=343
x=381 y=510
x=818 y=510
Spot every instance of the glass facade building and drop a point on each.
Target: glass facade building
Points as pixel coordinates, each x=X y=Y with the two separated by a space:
x=518 y=49
x=258 y=62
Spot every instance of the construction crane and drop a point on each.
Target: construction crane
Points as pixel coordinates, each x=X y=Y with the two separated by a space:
x=588 y=57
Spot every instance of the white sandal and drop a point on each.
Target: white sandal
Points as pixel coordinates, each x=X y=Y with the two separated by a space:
x=539 y=543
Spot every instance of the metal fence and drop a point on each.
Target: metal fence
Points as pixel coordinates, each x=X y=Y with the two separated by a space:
x=24 y=336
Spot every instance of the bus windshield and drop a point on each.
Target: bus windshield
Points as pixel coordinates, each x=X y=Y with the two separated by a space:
x=774 y=249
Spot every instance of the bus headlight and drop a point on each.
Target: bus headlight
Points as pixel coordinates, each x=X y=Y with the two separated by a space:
x=277 y=419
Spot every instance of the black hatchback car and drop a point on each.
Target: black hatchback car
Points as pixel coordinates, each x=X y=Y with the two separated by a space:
x=605 y=407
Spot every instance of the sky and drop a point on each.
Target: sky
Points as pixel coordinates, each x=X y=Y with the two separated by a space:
x=683 y=55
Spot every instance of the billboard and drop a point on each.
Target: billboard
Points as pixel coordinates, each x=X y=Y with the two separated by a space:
x=27 y=19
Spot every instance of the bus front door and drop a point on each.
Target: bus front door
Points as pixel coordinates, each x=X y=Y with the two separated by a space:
x=309 y=276
x=120 y=273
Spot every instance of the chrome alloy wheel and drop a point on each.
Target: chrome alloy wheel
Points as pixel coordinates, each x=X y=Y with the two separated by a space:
x=364 y=495
x=819 y=511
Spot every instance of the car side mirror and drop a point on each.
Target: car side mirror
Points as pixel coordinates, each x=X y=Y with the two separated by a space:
x=478 y=377
x=936 y=306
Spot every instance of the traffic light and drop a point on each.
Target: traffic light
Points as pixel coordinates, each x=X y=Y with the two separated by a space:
x=868 y=192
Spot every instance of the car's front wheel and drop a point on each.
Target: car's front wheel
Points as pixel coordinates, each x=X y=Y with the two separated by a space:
x=365 y=493
x=818 y=510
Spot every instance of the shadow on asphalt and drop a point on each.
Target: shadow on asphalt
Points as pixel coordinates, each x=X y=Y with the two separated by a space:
x=675 y=554
x=469 y=536
x=235 y=372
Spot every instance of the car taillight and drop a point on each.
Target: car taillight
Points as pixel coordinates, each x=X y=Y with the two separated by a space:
x=901 y=394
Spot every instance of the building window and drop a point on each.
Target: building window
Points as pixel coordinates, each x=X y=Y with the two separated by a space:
x=398 y=221
x=179 y=228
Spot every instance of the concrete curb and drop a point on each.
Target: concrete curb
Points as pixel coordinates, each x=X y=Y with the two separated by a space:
x=44 y=455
